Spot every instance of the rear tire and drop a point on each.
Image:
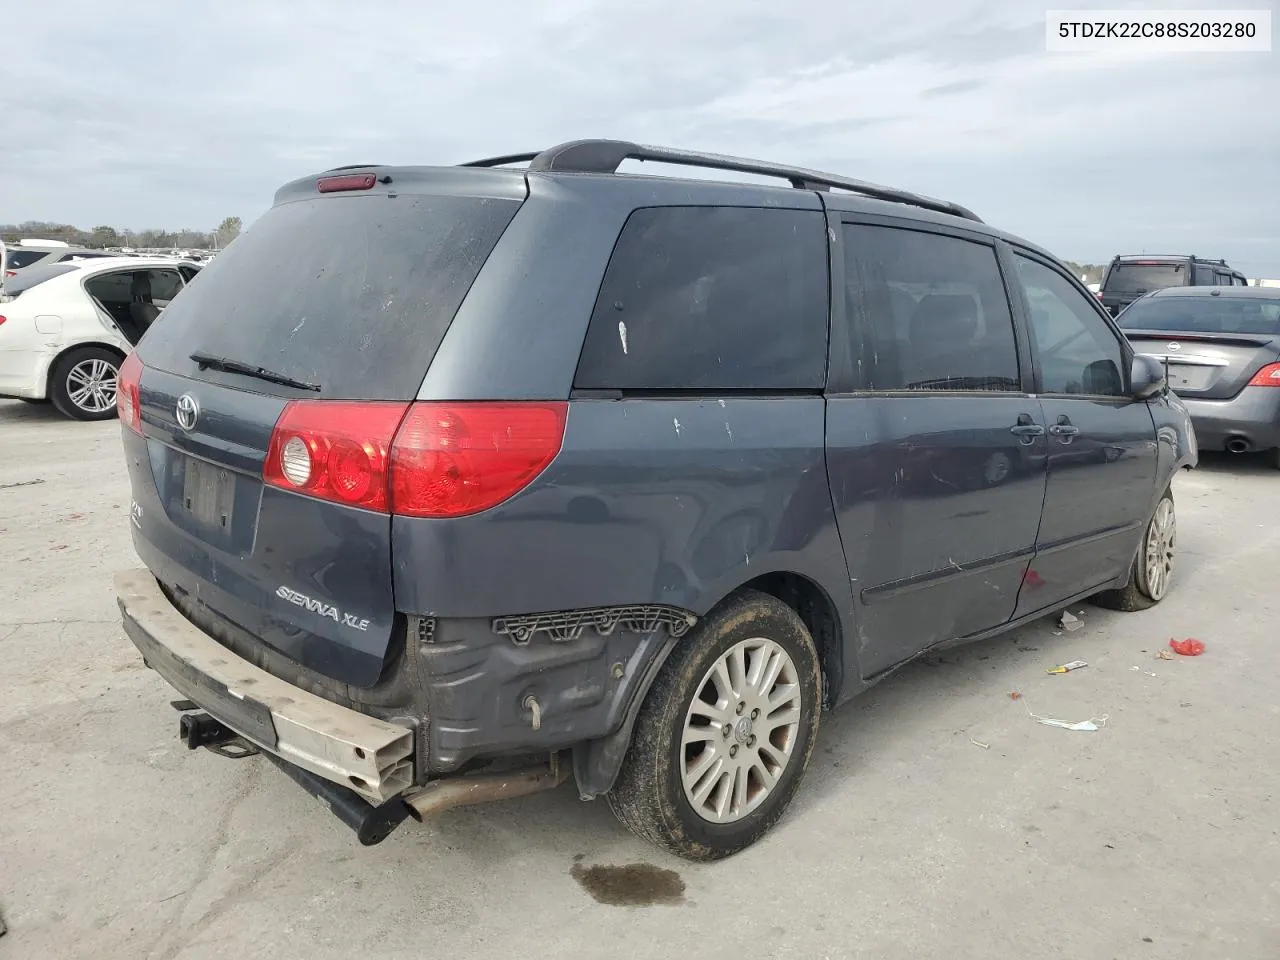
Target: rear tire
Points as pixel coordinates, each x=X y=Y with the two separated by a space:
x=724 y=736
x=1152 y=567
x=83 y=383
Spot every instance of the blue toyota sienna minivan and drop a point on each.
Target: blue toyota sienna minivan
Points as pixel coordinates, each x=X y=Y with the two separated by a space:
x=457 y=483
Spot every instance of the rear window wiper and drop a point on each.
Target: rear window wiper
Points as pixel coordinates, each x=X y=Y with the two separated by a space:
x=207 y=362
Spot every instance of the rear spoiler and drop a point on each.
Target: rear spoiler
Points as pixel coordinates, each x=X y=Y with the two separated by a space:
x=1226 y=339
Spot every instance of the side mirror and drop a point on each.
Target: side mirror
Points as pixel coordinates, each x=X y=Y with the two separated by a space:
x=1146 y=379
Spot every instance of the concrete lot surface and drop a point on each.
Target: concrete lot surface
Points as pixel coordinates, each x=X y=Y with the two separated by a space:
x=1153 y=838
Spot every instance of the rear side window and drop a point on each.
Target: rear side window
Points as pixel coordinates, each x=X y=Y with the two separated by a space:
x=351 y=293
x=1205 y=276
x=927 y=312
x=711 y=298
x=18 y=259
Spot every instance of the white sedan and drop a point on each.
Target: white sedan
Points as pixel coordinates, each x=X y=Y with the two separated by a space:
x=66 y=327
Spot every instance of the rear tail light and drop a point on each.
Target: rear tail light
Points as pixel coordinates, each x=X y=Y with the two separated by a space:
x=455 y=459
x=2 y=319
x=128 y=379
x=419 y=460
x=1268 y=376
x=334 y=450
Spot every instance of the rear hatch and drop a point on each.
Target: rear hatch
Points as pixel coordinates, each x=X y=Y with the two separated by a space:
x=1127 y=280
x=1213 y=344
x=335 y=296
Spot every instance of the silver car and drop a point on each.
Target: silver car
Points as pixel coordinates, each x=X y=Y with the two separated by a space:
x=1221 y=347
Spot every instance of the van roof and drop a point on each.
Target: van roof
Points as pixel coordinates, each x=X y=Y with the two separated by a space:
x=605 y=156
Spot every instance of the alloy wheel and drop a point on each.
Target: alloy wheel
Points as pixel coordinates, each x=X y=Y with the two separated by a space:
x=1161 y=543
x=91 y=385
x=740 y=730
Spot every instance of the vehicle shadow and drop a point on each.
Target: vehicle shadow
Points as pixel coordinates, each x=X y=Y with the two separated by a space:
x=19 y=411
x=1234 y=464
x=559 y=823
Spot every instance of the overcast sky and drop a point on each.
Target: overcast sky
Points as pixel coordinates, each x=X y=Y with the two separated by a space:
x=182 y=112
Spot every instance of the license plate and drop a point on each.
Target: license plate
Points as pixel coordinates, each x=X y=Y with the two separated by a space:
x=208 y=494
x=1189 y=378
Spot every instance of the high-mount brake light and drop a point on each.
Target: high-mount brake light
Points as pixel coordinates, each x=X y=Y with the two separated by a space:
x=1268 y=376
x=352 y=181
x=128 y=403
x=415 y=460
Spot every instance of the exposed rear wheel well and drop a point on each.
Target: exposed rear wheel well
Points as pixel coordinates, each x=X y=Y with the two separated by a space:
x=819 y=614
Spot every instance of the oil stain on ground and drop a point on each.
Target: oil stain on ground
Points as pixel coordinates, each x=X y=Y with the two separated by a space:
x=631 y=885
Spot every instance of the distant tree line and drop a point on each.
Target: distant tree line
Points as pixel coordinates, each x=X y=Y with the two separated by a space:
x=1092 y=272
x=106 y=236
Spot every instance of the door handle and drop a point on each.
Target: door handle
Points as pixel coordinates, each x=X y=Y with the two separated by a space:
x=1064 y=428
x=1026 y=430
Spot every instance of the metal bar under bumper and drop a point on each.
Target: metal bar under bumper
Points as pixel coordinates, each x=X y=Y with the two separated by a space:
x=371 y=824
x=369 y=756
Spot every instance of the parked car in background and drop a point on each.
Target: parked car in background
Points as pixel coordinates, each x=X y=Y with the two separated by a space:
x=1130 y=277
x=66 y=326
x=32 y=253
x=1222 y=351
x=451 y=483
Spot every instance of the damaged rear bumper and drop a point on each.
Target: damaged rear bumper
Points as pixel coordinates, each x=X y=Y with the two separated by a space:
x=371 y=757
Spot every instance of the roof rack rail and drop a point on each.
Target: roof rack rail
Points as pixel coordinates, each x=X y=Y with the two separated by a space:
x=604 y=156
x=500 y=161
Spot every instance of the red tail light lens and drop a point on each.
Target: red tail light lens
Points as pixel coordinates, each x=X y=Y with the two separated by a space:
x=354 y=181
x=419 y=460
x=334 y=450
x=1268 y=376
x=128 y=379
x=455 y=459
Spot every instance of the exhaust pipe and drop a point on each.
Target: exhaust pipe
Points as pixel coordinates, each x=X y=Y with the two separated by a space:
x=1238 y=445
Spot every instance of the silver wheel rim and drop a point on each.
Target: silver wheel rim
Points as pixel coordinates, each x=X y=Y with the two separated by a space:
x=91 y=385
x=740 y=731
x=1161 y=542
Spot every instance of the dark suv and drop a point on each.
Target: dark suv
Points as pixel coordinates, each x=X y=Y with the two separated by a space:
x=454 y=483
x=1130 y=277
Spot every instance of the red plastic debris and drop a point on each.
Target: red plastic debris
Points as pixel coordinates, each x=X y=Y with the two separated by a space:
x=1015 y=695
x=1187 y=648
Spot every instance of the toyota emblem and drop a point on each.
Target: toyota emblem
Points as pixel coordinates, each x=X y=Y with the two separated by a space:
x=187 y=411
x=1175 y=347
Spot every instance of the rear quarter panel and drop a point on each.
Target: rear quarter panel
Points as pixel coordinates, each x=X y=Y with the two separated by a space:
x=650 y=501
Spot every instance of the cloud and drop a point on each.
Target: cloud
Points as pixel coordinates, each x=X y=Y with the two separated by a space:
x=177 y=115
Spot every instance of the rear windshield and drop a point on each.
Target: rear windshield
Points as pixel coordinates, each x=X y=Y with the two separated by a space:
x=36 y=275
x=1140 y=278
x=1204 y=315
x=351 y=293
x=17 y=259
